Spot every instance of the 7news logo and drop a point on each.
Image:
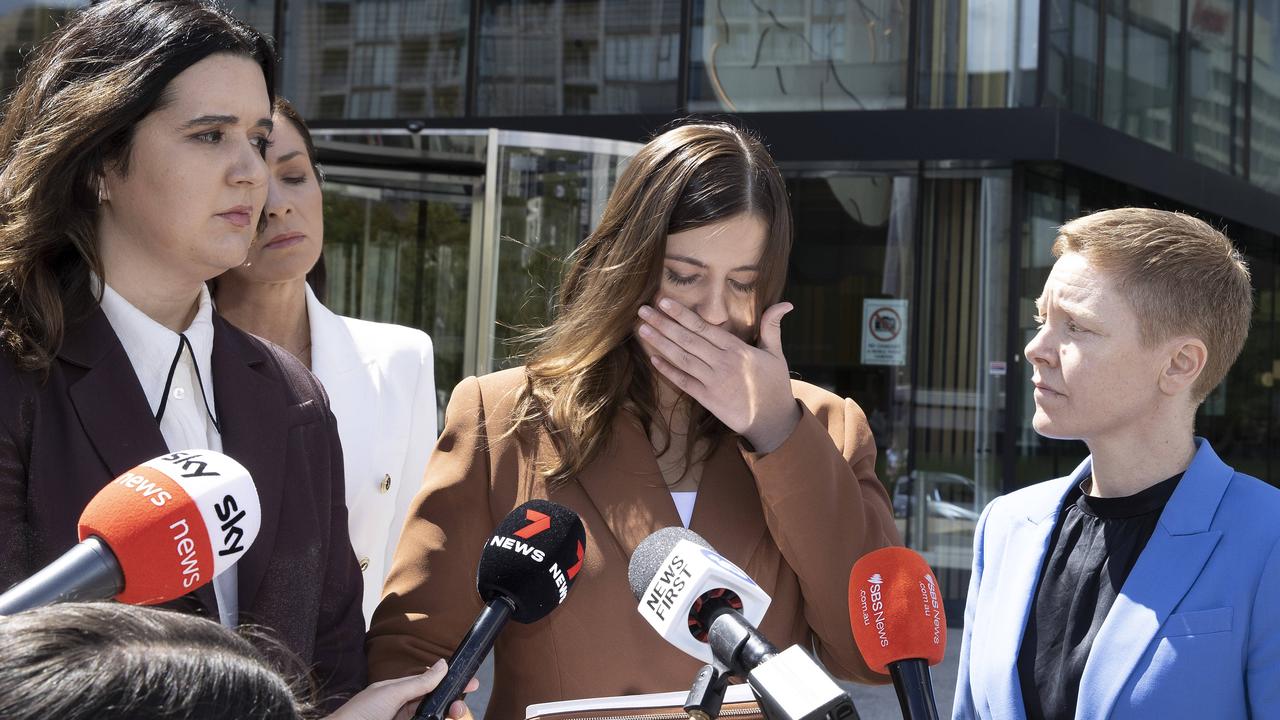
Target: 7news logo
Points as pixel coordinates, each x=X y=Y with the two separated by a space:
x=539 y=523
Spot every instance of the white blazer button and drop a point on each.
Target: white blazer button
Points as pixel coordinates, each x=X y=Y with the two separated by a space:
x=385 y=485
x=364 y=564
x=178 y=393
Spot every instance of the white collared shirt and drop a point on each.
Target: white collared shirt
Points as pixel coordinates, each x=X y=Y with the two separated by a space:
x=187 y=421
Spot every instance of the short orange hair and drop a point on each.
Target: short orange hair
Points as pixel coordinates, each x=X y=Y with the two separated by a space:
x=1180 y=276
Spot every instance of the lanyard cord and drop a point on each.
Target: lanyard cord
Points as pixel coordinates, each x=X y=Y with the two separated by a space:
x=185 y=344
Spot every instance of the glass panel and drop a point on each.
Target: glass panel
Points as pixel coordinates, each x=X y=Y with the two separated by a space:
x=1216 y=83
x=1264 y=135
x=852 y=257
x=548 y=201
x=1237 y=416
x=748 y=56
x=22 y=26
x=1049 y=201
x=398 y=243
x=376 y=58
x=577 y=57
x=979 y=53
x=958 y=399
x=1071 y=74
x=1142 y=68
x=261 y=14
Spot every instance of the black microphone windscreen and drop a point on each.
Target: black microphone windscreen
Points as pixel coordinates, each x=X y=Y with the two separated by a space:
x=652 y=551
x=532 y=559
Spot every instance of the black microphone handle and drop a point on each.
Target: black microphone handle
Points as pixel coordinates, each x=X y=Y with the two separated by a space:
x=88 y=571
x=466 y=660
x=914 y=684
x=736 y=643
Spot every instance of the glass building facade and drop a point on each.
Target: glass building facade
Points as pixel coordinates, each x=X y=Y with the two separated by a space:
x=931 y=148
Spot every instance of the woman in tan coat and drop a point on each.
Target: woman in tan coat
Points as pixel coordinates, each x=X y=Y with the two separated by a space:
x=659 y=396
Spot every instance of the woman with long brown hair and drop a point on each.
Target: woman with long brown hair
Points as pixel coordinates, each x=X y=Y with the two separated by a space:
x=659 y=396
x=133 y=172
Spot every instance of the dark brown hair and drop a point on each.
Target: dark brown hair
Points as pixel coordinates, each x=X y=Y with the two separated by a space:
x=73 y=115
x=285 y=109
x=586 y=365
x=109 y=661
x=317 y=277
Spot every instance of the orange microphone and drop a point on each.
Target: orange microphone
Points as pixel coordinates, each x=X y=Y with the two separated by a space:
x=899 y=625
x=157 y=532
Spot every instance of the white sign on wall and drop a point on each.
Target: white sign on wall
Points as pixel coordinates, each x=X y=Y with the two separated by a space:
x=884 y=331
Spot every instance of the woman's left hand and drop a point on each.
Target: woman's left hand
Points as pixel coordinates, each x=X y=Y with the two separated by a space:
x=747 y=387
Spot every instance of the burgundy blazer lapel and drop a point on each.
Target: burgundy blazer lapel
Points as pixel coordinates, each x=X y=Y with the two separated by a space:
x=113 y=412
x=108 y=399
x=254 y=419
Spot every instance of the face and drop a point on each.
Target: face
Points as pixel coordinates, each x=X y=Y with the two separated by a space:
x=189 y=204
x=713 y=270
x=1093 y=377
x=291 y=243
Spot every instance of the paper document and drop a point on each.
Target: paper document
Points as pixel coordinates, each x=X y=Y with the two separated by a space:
x=735 y=693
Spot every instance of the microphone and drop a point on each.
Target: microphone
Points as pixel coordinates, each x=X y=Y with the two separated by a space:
x=899 y=624
x=157 y=532
x=709 y=608
x=525 y=572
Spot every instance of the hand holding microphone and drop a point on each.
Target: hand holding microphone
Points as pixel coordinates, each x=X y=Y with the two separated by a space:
x=899 y=624
x=157 y=532
x=395 y=699
x=526 y=570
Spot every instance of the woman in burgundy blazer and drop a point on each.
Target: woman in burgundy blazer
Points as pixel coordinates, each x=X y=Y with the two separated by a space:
x=132 y=165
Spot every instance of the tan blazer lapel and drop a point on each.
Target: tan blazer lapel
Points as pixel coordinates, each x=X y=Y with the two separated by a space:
x=626 y=487
x=727 y=513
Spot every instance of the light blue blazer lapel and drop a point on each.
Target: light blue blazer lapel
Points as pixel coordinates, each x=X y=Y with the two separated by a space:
x=1165 y=571
x=1019 y=565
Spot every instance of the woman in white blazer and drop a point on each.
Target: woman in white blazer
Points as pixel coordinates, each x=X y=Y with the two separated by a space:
x=379 y=377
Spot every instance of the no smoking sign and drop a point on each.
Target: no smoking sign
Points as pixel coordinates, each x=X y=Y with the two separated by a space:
x=884 y=331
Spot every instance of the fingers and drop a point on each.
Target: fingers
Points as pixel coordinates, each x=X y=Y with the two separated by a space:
x=692 y=321
x=676 y=354
x=687 y=383
x=771 y=328
x=472 y=686
x=459 y=711
x=404 y=689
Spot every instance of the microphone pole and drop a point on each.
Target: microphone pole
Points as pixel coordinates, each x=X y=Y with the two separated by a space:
x=88 y=571
x=914 y=687
x=467 y=658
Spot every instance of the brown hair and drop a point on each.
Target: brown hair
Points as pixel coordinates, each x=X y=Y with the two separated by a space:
x=317 y=277
x=72 y=116
x=586 y=365
x=286 y=109
x=110 y=661
x=1180 y=276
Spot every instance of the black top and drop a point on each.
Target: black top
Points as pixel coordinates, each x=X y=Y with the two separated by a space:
x=1095 y=544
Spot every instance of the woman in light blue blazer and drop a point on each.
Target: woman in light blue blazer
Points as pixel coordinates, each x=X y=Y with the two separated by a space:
x=1146 y=584
x=379 y=377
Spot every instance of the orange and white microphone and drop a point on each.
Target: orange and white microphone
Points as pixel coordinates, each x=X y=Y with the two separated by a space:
x=155 y=533
x=899 y=624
